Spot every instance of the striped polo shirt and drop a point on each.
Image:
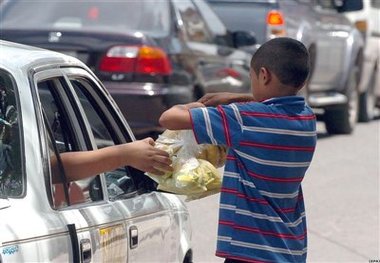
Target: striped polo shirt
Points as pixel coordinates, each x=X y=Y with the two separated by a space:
x=271 y=144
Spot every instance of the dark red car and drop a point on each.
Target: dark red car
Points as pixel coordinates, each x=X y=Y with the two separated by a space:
x=149 y=54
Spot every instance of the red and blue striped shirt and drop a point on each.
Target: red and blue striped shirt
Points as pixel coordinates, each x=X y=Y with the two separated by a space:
x=271 y=145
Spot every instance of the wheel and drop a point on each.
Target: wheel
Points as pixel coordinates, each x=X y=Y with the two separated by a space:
x=342 y=119
x=188 y=257
x=367 y=103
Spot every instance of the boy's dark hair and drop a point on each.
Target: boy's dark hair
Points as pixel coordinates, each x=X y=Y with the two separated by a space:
x=287 y=58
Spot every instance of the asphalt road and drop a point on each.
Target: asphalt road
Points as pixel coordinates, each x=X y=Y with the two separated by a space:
x=341 y=191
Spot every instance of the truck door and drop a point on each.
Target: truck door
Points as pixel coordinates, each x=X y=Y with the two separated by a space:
x=136 y=221
x=94 y=222
x=332 y=53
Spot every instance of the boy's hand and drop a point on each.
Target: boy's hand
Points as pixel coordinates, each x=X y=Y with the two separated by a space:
x=143 y=156
x=222 y=98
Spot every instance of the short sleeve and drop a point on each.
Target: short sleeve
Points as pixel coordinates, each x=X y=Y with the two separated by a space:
x=218 y=125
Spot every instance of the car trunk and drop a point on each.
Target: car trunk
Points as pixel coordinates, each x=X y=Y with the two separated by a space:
x=86 y=46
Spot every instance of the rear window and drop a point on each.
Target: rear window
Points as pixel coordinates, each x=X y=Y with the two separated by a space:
x=252 y=15
x=11 y=178
x=146 y=16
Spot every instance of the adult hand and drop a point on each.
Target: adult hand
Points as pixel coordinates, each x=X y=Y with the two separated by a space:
x=143 y=156
x=221 y=98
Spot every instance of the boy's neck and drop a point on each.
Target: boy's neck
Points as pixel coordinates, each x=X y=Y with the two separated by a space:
x=275 y=94
x=269 y=86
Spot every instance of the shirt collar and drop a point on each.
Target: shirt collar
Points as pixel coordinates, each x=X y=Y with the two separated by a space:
x=285 y=100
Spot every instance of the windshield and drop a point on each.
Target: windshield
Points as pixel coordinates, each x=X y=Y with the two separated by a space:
x=150 y=16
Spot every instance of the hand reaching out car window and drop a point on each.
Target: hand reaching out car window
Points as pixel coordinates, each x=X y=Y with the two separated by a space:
x=139 y=154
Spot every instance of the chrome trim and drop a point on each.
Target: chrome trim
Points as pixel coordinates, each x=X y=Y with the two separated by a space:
x=30 y=239
x=4 y=203
x=64 y=233
x=118 y=222
x=327 y=100
x=54 y=37
x=376 y=34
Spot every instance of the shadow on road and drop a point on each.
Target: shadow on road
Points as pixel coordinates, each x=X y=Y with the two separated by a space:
x=323 y=135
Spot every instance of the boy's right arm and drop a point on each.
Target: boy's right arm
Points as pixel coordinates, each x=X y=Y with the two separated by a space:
x=222 y=98
x=178 y=116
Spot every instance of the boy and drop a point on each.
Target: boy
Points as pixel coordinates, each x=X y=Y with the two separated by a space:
x=271 y=139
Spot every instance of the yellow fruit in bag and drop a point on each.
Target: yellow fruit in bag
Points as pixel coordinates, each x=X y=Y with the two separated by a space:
x=194 y=166
x=200 y=175
x=215 y=154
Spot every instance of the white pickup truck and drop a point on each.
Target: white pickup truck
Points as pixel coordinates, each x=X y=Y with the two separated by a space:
x=51 y=103
x=367 y=21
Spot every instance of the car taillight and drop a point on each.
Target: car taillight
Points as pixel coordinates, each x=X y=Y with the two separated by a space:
x=276 y=24
x=136 y=59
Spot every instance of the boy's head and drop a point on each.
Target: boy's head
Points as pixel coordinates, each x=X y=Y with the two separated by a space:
x=285 y=58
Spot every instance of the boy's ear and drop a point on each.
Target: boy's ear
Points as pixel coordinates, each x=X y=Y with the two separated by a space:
x=264 y=76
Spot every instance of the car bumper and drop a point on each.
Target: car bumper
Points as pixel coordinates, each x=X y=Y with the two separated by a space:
x=324 y=100
x=143 y=103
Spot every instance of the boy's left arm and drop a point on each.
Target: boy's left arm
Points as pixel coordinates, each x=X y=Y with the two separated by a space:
x=178 y=116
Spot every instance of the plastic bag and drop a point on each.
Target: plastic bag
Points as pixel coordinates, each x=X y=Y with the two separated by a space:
x=195 y=173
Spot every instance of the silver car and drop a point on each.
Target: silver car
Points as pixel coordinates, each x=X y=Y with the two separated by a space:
x=52 y=103
x=335 y=48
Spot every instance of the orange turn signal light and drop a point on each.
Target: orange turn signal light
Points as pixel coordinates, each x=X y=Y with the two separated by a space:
x=275 y=18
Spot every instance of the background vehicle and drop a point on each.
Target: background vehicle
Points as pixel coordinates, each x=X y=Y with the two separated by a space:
x=52 y=103
x=367 y=21
x=335 y=46
x=149 y=54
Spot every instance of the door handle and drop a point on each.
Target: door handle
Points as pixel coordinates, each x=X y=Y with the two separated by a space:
x=85 y=250
x=133 y=237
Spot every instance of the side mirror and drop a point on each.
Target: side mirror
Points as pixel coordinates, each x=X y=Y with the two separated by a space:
x=348 y=5
x=243 y=39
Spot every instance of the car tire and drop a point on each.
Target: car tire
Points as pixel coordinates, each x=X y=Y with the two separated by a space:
x=188 y=257
x=367 y=103
x=342 y=119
